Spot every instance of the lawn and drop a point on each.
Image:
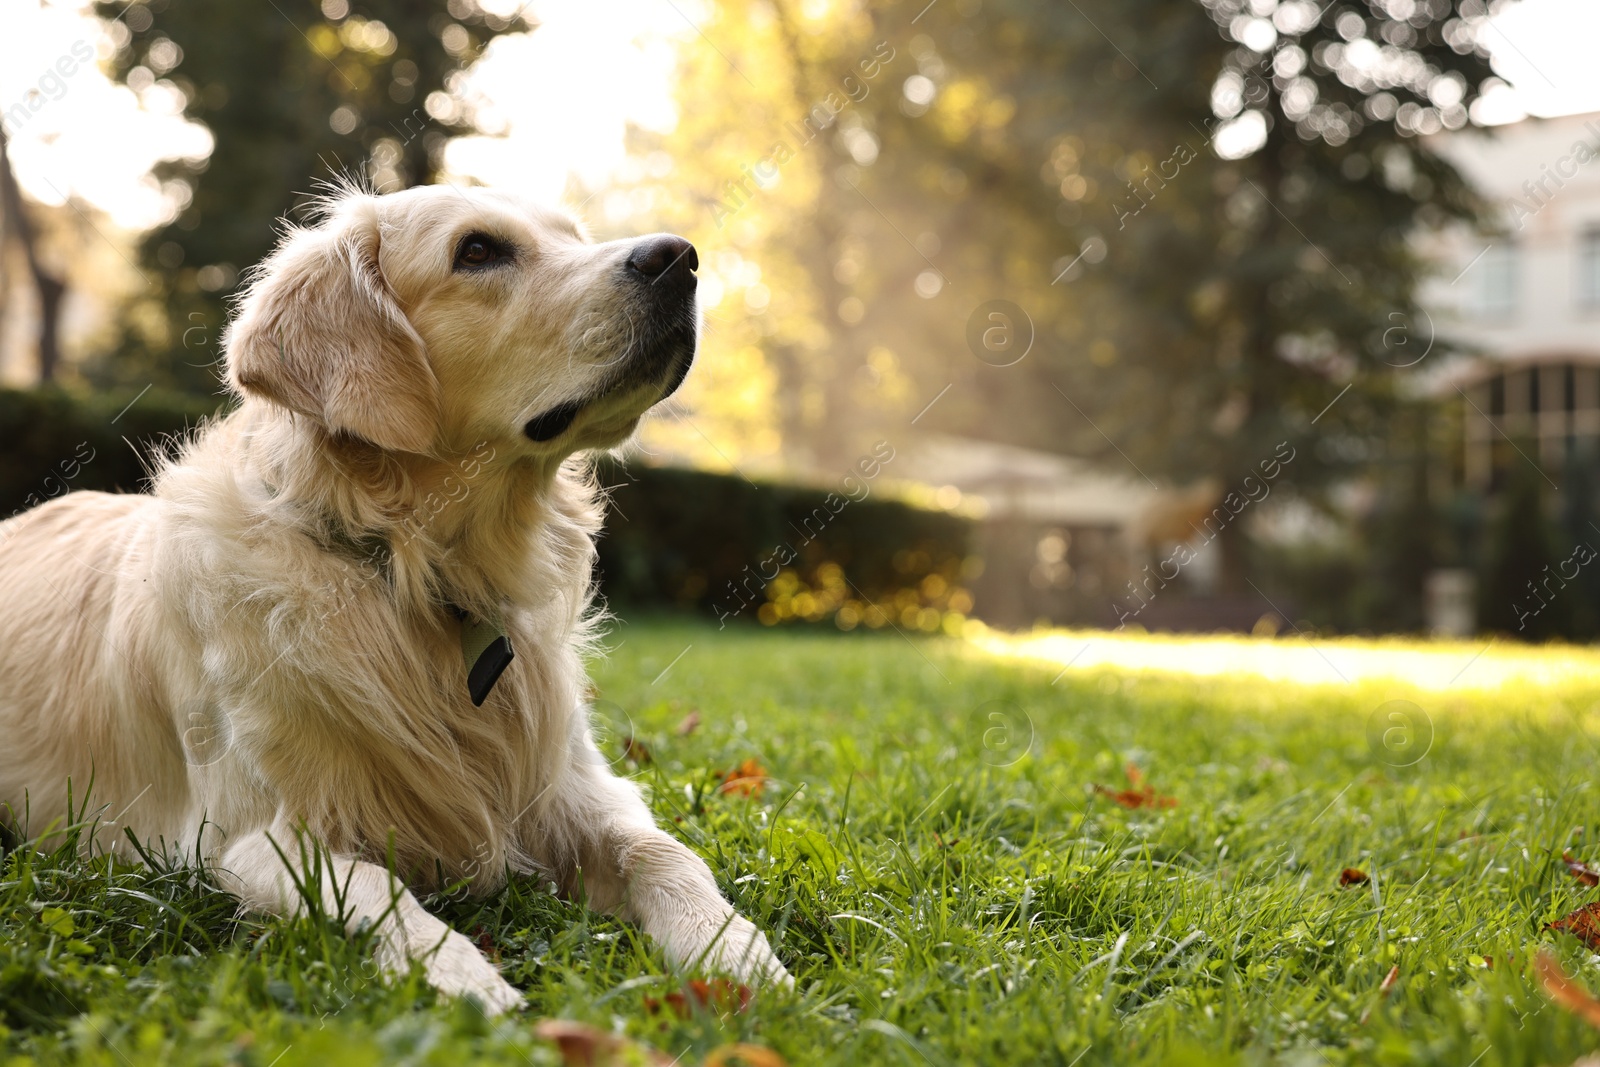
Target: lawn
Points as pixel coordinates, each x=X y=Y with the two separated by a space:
x=960 y=868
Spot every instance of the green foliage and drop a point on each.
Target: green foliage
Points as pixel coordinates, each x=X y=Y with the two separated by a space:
x=1282 y=274
x=1370 y=577
x=716 y=543
x=941 y=898
x=55 y=441
x=1189 y=311
x=1521 y=594
x=294 y=99
x=1580 y=524
x=674 y=538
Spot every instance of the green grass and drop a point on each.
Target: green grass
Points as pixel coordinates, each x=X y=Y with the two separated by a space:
x=946 y=886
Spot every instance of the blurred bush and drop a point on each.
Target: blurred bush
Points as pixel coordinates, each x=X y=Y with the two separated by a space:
x=693 y=540
x=53 y=442
x=774 y=553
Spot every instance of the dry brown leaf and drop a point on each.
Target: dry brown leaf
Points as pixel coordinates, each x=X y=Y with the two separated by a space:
x=690 y=723
x=1564 y=991
x=747 y=779
x=1581 y=871
x=637 y=751
x=486 y=943
x=1583 y=924
x=719 y=995
x=1136 y=798
x=745 y=1055
x=581 y=1045
x=1137 y=795
x=1352 y=876
x=1383 y=992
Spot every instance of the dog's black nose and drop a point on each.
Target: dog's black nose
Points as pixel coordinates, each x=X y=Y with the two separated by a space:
x=663 y=254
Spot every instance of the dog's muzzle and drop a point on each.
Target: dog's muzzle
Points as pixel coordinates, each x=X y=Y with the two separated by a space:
x=659 y=278
x=663 y=264
x=667 y=260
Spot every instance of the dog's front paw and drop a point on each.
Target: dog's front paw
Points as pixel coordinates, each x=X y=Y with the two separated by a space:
x=740 y=949
x=457 y=969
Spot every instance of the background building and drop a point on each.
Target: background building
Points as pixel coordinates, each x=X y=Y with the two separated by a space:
x=1526 y=299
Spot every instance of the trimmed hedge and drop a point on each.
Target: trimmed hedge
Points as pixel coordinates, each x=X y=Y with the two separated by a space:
x=53 y=442
x=683 y=539
x=775 y=553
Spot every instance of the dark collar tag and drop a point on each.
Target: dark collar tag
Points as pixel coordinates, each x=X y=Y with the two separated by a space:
x=487 y=652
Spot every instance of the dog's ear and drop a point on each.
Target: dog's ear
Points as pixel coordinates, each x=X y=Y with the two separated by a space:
x=320 y=333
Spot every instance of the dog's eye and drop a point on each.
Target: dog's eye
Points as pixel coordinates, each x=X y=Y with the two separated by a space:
x=478 y=250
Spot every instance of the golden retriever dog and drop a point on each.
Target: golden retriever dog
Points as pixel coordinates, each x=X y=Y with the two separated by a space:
x=354 y=611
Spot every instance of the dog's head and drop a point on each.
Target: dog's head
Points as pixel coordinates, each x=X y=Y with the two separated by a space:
x=438 y=318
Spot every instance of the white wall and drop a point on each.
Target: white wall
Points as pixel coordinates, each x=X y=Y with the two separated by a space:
x=1549 y=199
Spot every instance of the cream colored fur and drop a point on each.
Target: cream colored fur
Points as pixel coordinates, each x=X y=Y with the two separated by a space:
x=228 y=677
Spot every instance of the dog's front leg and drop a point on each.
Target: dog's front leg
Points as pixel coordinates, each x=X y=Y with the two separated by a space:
x=629 y=866
x=253 y=868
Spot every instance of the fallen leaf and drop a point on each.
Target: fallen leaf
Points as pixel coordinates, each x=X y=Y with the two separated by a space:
x=747 y=779
x=1583 y=924
x=749 y=1055
x=486 y=943
x=1352 y=876
x=1131 y=798
x=690 y=723
x=1383 y=992
x=1137 y=795
x=718 y=995
x=581 y=1045
x=1564 y=991
x=1581 y=871
x=635 y=750
x=673 y=1000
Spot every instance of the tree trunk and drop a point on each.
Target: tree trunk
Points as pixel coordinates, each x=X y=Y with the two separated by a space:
x=1233 y=573
x=52 y=293
x=1257 y=350
x=51 y=289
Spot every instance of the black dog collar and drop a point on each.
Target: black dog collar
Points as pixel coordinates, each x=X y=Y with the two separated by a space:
x=485 y=648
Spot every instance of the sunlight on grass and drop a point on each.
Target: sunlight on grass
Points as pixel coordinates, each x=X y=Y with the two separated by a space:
x=1420 y=663
x=967 y=853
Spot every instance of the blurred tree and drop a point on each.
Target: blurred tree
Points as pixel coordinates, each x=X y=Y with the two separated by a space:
x=50 y=290
x=749 y=174
x=1205 y=212
x=1521 y=592
x=295 y=96
x=1289 y=264
x=1402 y=535
x=1581 y=526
